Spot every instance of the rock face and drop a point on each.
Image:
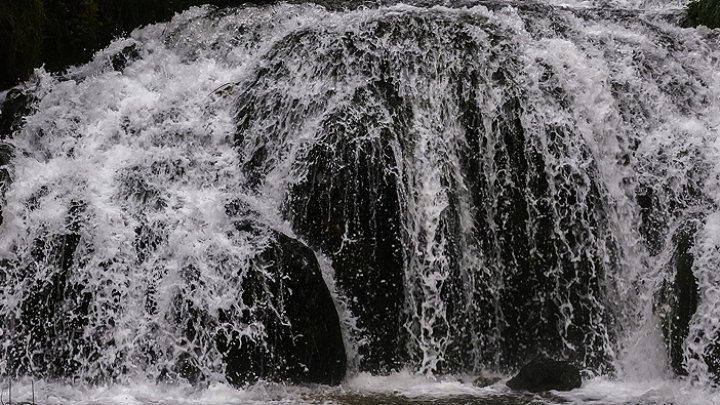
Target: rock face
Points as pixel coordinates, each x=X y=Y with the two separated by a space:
x=367 y=183
x=53 y=311
x=6 y=154
x=544 y=374
x=283 y=293
x=308 y=349
x=348 y=204
x=17 y=104
x=121 y=59
x=350 y=209
x=679 y=296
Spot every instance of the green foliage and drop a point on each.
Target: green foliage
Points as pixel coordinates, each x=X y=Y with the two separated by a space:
x=60 y=33
x=704 y=12
x=21 y=37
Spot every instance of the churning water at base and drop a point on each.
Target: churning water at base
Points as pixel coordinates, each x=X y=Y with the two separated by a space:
x=399 y=389
x=479 y=184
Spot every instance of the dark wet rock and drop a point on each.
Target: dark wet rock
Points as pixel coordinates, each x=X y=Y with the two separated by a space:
x=18 y=103
x=353 y=202
x=545 y=374
x=121 y=59
x=652 y=226
x=703 y=12
x=528 y=244
x=6 y=154
x=678 y=298
x=46 y=336
x=349 y=207
x=305 y=347
x=64 y=321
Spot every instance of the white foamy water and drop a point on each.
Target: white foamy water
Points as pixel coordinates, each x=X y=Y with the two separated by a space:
x=400 y=388
x=613 y=103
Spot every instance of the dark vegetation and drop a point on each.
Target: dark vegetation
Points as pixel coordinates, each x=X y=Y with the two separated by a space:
x=704 y=12
x=60 y=33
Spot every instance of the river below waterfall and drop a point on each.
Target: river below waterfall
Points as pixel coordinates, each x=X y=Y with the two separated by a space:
x=376 y=204
x=364 y=389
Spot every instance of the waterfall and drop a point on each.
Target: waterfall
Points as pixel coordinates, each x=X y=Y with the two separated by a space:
x=474 y=183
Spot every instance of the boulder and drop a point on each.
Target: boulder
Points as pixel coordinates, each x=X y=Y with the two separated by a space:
x=309 y=347
x=350 y=210
x=53 y=310
x=678 y=299
x=544 y=374
x=63 y=319
x=127 y=55
x=520 y=227
x=348 y=205
x=17 y=104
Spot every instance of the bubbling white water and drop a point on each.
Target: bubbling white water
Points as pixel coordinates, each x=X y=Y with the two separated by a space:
x=151 y=150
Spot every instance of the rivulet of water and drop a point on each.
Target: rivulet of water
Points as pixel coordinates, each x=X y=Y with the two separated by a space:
x=481 y=182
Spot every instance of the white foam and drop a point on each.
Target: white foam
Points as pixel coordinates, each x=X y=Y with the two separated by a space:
x=101 y=124
x=401 y=387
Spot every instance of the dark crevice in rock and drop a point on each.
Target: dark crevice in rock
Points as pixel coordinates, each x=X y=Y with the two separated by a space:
x=678 y=298
x=309 y=347
x=545 y=374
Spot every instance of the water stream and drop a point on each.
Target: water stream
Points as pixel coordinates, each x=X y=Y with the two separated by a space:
x=480 y=182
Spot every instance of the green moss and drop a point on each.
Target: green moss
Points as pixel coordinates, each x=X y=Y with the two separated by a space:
x=704 y=12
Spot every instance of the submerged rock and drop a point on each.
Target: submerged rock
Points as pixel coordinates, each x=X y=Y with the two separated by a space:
x=679 y=296
x=6 y=154
x=417 y=223
x=45 y=337
x=64 y=322
x=544 y=374
x=127 y=55
x=17 y=104
x=309 y=347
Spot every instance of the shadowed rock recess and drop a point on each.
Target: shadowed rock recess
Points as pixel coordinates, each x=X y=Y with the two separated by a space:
x=503 y=224
x=283 y=292
x=544 y=374
x=293 y=193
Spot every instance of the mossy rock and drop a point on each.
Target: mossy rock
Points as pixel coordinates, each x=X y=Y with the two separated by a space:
x=703 y=12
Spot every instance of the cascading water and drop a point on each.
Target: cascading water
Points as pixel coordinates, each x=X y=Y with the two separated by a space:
x=479 y=183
